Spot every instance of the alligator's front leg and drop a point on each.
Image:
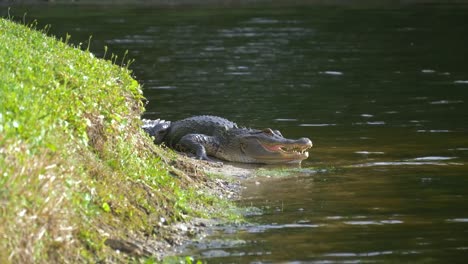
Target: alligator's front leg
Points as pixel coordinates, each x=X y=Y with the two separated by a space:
x=199 y=144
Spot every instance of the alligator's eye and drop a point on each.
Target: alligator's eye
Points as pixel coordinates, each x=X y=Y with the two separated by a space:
x=277 y=132
x=268 y=131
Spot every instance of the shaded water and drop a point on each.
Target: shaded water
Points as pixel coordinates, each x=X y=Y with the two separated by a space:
x=382 y=92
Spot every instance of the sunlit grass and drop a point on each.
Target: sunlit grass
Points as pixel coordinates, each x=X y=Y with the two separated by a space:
x=75 y=167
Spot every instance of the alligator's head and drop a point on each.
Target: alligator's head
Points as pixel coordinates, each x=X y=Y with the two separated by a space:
x=156 y=128
x=269 y=147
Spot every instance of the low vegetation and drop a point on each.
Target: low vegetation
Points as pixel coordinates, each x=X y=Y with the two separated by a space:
x=78 y=177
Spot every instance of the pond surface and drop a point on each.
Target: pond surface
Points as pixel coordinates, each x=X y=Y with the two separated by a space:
x=381 y=91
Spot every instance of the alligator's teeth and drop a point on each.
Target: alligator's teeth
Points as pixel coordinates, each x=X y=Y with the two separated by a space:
x=294 y=150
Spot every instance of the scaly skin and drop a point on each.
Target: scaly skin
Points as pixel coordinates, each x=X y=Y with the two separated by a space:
x=218 y=137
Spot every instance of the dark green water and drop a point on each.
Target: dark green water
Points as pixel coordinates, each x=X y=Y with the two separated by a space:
x=382 y=92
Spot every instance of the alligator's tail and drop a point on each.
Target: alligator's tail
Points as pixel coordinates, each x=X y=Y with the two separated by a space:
x=156 y=128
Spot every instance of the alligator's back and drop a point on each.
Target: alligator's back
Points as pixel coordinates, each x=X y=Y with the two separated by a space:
x=207 y=125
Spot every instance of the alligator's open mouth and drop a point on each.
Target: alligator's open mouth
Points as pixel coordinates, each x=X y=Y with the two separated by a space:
x=291 y=151
x=276 y=151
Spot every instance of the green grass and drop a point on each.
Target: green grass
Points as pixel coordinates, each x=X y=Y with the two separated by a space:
x=75 y=167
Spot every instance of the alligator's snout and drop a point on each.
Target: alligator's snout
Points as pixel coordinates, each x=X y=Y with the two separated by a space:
x=270 y=150
x=306 y=142
x=290 y=145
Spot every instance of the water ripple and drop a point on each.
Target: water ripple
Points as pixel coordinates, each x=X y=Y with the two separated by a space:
x=458 y=220
x=372 y=123
x=316 y=125
x=446 y=102
x=264 y=228
x=372 y=222
x=164 y=87
x=461 y=149
x=369 y=152
x=434 y=131
x=261 y=20
x=133 y=39
x=428 y=71
x=404 y=163
x=285 y=119
x=364 y=254
x=332 y=72
x=435 y=158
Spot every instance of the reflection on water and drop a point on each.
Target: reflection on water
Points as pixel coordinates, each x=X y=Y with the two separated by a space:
x=382 y=92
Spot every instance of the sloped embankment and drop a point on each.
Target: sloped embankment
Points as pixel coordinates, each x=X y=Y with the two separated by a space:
x=78 y=177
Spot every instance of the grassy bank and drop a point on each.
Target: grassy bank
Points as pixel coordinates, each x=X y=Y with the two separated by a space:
x=78 y=177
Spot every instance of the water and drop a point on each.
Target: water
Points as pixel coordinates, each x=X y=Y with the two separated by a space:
x=382 y=92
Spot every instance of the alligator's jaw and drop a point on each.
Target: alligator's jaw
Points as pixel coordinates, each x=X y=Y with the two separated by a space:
x=287 y=151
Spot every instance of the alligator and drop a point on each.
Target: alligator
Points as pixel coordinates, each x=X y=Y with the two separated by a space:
x=212 y=136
